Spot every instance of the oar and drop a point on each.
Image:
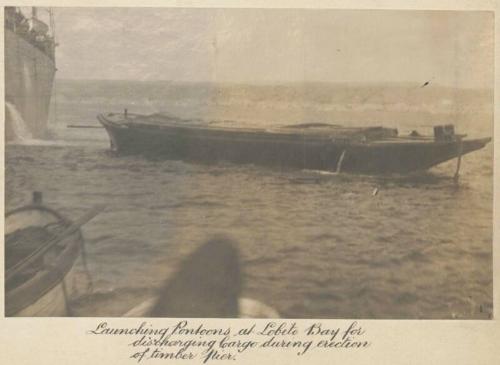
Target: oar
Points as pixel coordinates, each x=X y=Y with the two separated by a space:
x=47 y=245
x=84 y=126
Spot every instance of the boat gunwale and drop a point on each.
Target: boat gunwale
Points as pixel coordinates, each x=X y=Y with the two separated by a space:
x=277 y=130
x=350 y=140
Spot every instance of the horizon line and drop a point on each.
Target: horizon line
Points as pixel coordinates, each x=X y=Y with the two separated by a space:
x=271 y=83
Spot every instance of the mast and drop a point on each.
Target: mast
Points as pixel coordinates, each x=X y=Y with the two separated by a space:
x=52 y=25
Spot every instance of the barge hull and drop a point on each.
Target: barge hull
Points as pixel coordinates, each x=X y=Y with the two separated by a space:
x=302 y=151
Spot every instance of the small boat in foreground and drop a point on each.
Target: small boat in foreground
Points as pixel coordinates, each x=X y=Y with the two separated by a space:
x=317 y=146
x=41 y=248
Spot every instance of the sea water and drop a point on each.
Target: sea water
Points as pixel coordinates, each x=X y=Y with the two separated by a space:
x=312 y=244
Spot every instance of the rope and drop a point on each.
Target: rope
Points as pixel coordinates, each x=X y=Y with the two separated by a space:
x=83 y=254
x=69 y=311
x=85 y=265
x=339 y=163
x=459 y=160
x=64 y=289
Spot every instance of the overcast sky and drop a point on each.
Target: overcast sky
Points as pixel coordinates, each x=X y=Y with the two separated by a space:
x=275 y=45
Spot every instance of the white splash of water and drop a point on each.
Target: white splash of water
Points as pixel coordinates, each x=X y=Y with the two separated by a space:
x=320 y=172
x=17 y=123
x=330 y=173
x=21 y=132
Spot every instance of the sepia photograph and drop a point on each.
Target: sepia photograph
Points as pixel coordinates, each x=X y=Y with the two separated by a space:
x=248 y=163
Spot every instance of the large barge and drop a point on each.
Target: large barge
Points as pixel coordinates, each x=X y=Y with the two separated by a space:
x=317 y=146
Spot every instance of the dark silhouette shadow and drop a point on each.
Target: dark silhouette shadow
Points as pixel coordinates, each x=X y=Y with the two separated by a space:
x=207 y=285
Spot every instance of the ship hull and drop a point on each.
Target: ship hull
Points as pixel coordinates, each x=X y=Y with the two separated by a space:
x=29 y=76
x=284 y=150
